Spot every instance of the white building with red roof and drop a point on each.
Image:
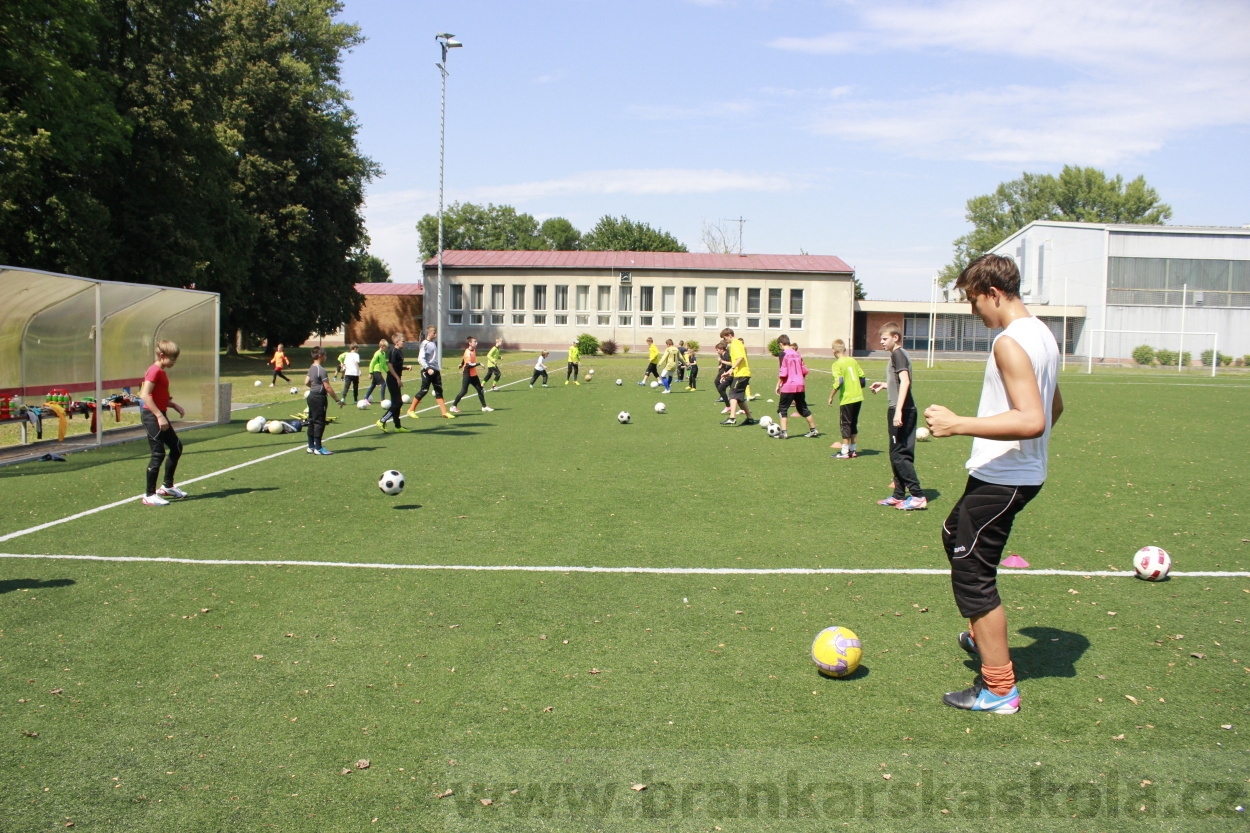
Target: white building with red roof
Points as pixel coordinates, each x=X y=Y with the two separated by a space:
x=545 y=299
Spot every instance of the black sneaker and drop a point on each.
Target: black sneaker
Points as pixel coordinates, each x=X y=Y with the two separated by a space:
x=981 y=699
x=812 y=433
x=965 y=642
x=749 y=421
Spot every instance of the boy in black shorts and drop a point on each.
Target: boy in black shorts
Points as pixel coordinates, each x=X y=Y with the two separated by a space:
x=1020 y=403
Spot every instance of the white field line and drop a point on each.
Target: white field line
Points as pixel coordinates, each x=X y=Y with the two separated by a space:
x=659 y=571
x=19 y=533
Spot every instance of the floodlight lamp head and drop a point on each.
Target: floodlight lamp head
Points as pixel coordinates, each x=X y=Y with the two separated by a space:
x=442 y=35
x=452 y=43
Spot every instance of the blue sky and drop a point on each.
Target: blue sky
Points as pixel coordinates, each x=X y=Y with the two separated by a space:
x=856 y=129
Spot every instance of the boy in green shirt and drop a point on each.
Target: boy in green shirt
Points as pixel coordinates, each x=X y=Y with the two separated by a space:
x=846 y=384
x=574 y=356
x=377 y=370
x=492 y=364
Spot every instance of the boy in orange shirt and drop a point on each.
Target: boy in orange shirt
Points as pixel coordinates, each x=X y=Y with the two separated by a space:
x=468 y=366
x=280 y=363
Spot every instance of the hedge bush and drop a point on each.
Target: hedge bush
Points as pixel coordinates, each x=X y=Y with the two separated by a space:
x=1144 y=354
x=774 y=348
x=691 y=344
x=608 y=347
x=1224 y=360
x=587 y=344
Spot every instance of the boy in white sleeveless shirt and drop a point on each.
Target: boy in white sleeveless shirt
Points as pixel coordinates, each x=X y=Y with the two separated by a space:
x=1020 y=403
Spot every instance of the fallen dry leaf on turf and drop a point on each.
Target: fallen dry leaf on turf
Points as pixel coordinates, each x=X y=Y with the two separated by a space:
x=1132 y=699
x=447 y=794
x=289 y=635
x=1117 y=737
x=363 y=763
x=485 y=802
x=345 y=771
x=638 y=787
x=1198 y=656
x=737 y=613
x=462 y=516
x=30 y=734
x=56 y=691
x=549 y=709
x=1227 y=726
x=258 y=656
x=595 y=671
x=887 y=776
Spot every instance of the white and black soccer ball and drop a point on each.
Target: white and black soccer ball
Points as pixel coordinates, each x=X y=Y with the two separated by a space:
x=391 y=482
x=294 y=390
x=619 y=383
x=386 y=404
x=623 y=417
x=774 y=430
x=1152 y=563
x=363 y=404
x=765 y=421
x=659 y=408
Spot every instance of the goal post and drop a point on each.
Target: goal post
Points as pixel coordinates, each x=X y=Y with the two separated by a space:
x=1135 y=338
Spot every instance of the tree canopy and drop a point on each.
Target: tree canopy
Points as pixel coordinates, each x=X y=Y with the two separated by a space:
x=468 y=226
x=1082 y=195
x=203 y=143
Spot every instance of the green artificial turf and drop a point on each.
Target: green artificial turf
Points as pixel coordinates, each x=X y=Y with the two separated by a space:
x=215 y=697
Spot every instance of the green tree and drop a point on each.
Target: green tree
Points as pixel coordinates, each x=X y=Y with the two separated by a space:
x=374 y=269
x=626 y=235
x=559 y=235
x=1082 y=195
x=468 y=226
x=860 y=294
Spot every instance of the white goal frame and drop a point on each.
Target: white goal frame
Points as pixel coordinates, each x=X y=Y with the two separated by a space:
x=1180 y=353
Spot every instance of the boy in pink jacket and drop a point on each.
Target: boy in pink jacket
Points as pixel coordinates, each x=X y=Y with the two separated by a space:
x=792 y=388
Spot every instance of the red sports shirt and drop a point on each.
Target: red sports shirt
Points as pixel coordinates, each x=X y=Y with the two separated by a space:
x=160 y=386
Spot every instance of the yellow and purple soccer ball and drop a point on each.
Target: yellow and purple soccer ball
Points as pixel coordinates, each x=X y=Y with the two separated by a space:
x=837 y=652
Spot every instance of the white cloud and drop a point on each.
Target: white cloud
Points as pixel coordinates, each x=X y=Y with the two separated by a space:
x=1129 y=76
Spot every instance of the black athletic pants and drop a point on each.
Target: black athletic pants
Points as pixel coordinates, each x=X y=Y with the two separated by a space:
x=571 y=372
x=277 y=371
x=493 y=373
x=694 y=375
x=158 y=440
x=903 y=454
x=465 y=382
x=430 y=379
x=352 y=383
x=376 y=380
x=722 y=386
x=317 y=401
x=392 y=390
x=538 y=373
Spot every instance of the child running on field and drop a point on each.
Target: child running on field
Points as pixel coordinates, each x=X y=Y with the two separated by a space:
x=792 y=388
x=540 y=368
x=668 y=365
x=692 y=368
x=848 y=386
x=280 y=363
x=468 y=377
x=156 y=402
x=653 y=354
x=377 y=370
x=493 y=357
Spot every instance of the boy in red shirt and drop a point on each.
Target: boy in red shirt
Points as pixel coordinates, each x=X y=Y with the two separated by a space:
x=156 y=401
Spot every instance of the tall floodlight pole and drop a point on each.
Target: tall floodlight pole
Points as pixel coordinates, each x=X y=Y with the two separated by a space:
x=446 y=41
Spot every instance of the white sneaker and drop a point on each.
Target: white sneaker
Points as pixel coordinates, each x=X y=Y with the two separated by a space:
x=487 y=410
x=171 y=492
x=155 y=500
x=454 y=409
x=724 y=410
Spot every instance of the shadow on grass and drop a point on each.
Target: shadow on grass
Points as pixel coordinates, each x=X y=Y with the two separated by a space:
x=232 y=492
x=9 y=585
x=858 y=674
x=407 y=506
x=355 y=450
x=1054 y=653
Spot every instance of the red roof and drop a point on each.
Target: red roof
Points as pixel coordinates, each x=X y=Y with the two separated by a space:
x=642 y=260
x=389 y=289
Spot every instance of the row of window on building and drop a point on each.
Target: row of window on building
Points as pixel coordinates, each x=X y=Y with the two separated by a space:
x=700 y=306
x=1173 y=282
x=968 y=334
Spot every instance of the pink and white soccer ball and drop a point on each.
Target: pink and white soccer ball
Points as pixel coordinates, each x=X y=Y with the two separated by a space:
x=1152 y=563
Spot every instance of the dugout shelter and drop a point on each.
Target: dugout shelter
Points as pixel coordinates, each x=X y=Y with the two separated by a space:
x=90 y=340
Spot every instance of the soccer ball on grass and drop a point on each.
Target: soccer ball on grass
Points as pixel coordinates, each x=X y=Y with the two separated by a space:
x=659 y=407
x=386 y=404
x=405 y=399
x=1152 y=563
x=774 y=430
x=256 y=424
x=623 y=417
x=837 y=652
x=922 y=434
x=362 y=404
x=655 y=384
x=765 y=421
x=391 y=482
